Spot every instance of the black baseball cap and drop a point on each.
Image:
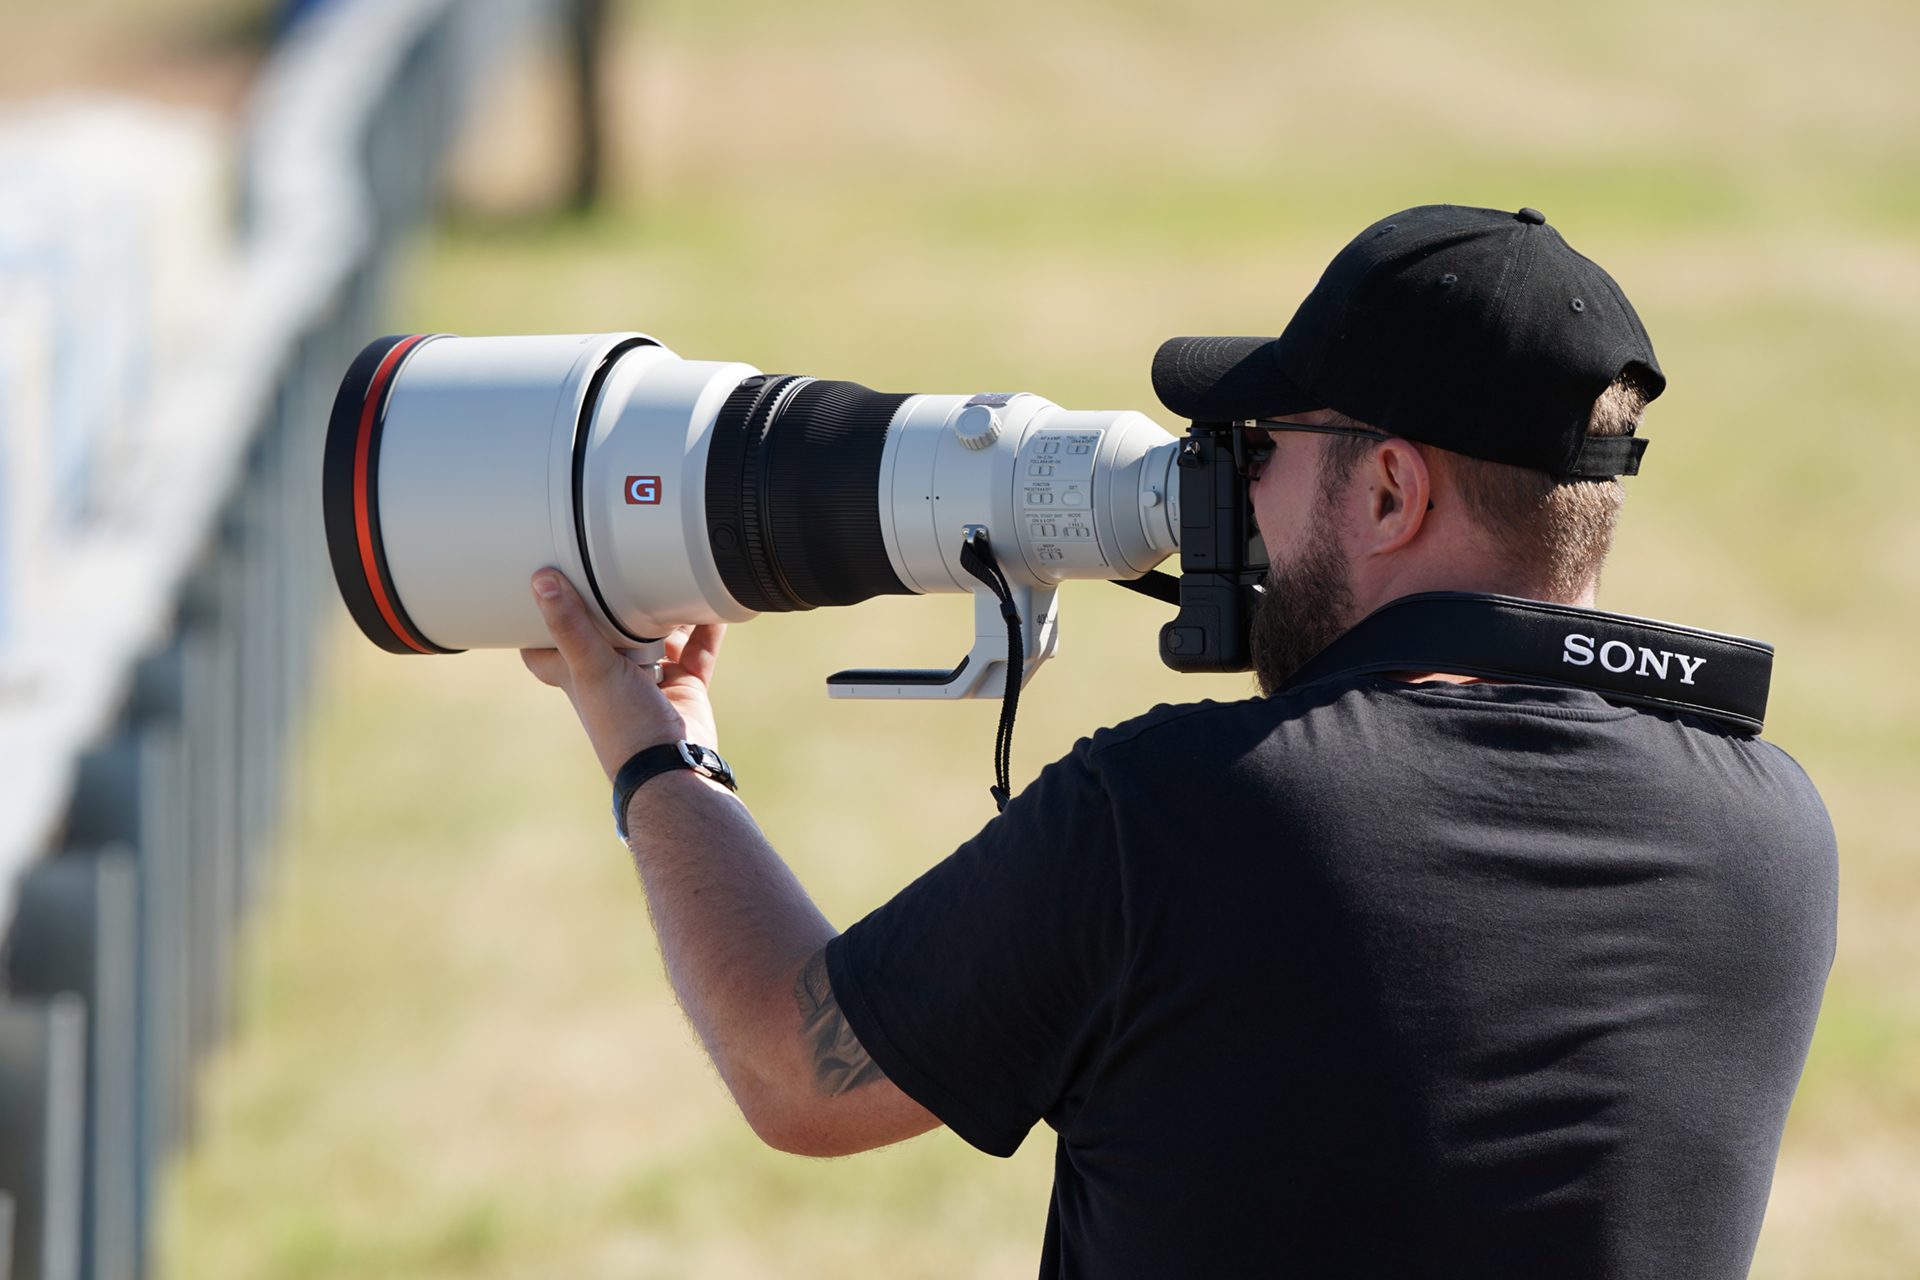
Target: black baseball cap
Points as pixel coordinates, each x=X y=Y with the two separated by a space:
x=1476 y=330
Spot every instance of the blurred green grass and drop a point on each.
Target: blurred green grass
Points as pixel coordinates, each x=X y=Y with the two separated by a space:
x=460 y=1058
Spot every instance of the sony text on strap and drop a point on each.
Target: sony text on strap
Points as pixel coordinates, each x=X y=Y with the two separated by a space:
x=1638 y=661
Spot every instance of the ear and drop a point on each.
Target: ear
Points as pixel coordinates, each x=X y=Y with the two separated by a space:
x=1399 y=496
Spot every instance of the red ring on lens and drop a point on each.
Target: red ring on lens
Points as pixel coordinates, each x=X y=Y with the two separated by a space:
x=362 y=511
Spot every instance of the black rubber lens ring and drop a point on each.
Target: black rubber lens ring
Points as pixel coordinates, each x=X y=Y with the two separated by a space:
x=756 y=495
x=822 y=498
x=734 y=533
x=793 y=493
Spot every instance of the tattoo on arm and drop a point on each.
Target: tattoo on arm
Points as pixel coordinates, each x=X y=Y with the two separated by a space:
x=840 y=1064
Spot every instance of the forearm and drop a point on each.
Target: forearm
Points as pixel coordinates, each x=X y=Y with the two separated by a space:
x=735 y=928
x=742 y=942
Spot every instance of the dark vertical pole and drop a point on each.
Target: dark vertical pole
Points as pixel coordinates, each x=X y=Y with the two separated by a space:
x=158 y=709
x=76 y=930
x=207 y=640
x=42 y=1087
x=128 y=796
x=586 y=36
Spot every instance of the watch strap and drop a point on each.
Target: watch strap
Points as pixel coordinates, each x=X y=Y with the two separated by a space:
x=651 y=762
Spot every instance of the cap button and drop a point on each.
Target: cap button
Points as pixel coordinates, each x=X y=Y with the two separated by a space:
x=1532 y=217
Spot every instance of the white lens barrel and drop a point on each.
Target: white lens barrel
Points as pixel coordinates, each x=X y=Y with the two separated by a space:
x=644 y=492
x=675 y=491
x=1062 y=493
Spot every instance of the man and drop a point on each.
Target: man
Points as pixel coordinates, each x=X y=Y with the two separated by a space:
x=1374 y=975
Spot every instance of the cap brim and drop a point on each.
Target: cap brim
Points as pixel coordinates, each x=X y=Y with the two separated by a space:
x=1226 y=380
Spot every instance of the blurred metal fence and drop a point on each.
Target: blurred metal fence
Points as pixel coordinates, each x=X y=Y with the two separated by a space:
x=147 y=696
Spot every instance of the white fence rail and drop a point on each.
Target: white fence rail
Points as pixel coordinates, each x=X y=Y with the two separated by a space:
x=162 y=581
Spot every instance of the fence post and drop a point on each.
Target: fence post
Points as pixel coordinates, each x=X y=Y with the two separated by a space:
x=206 y=639
x=42 y=1075
x=129 y=796
x=77 y=931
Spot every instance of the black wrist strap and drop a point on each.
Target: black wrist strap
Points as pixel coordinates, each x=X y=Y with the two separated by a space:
x=1623 y=659
x=665 y=758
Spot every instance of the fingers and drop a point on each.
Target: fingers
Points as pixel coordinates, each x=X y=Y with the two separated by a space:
x=675 y=641
x=700 y=656
x=587 y=654
x=582 y=654
x=691 y=650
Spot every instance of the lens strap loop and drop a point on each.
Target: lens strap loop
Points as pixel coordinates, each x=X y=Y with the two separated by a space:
x=976 y=557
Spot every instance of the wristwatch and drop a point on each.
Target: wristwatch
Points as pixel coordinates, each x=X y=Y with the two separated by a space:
x=665 y=758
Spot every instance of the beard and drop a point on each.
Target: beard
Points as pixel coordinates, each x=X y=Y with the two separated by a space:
x=1307 y=605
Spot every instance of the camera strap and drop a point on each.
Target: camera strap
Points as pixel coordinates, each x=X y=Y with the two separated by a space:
x=1624 y=659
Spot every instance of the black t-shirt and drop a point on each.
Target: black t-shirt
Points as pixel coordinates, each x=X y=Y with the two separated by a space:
x=1375 y=979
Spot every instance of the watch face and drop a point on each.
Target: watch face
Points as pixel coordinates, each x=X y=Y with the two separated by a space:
x=707 y=761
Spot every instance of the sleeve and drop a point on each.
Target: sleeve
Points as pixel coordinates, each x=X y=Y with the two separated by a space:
x=986 y=985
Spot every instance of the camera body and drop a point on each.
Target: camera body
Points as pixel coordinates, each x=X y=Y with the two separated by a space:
x=676 y=492
x=1222 y=559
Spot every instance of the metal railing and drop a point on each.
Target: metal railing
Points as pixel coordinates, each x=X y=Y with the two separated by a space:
x=146 y=702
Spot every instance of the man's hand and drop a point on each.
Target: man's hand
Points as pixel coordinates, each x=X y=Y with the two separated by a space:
x=618 y=703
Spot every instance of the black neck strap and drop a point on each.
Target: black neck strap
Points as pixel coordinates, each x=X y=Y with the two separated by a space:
x=1623 y=659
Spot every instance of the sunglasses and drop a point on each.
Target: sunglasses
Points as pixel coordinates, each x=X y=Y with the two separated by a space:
x=1253 y=442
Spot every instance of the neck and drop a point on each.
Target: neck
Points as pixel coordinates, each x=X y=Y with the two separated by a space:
x=1402 y=581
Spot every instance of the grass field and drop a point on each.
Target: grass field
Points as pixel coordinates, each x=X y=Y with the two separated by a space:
x=459 y=1057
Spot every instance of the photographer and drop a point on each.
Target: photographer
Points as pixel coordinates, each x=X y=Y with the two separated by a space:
x=1413 y=973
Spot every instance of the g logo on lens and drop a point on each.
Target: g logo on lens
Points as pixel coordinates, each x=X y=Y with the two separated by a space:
x=643 y=491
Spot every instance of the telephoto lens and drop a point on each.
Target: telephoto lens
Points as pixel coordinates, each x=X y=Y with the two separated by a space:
x=676 y=491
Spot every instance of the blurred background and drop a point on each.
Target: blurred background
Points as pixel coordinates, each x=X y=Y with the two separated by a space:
x=323 y=963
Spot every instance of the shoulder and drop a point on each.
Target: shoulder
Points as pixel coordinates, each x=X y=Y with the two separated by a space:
x=1188 y=733
x=1121 y=760
x=1165 y=725
x=1786 y=783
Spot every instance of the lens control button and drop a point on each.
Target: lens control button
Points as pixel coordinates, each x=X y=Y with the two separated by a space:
x=977 y=426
